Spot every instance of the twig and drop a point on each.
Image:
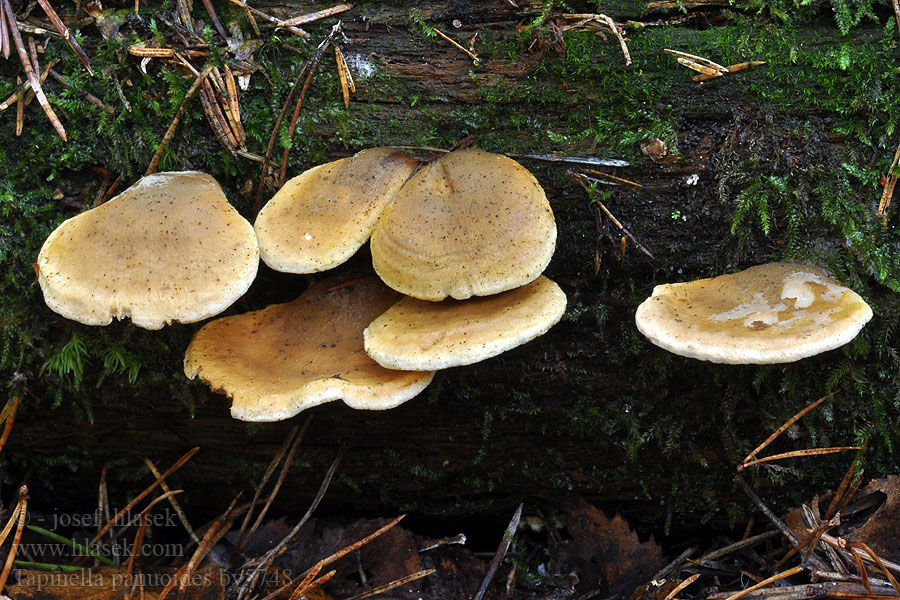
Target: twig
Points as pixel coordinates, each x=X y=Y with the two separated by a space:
x=394 y=584
x=211 y=11
x=797 y=453
x=459 y=47
x=270 y=147
x=827 y=589
x=502 y=549
x=779 y=524
x=767 y=581
x=22 y=511
x=614 y=178
x=347 y=84
x=4 y=34
x=729 y=69
x=697 y=63
x=312 y=63
x=740 y=545
x=9 y=415
x=284 y=470
x=295 y=30
x=841 y=544
x=580 y=179
x=681 y=586
x=261 y=564
x=151 y=168
x=787 y=425
x=29 y=72
x=175 y=505
x=841 y=497
x=66 y=34
x=890 y=179
x=92 y=99
x=576 y=160
x=178 y=464
x=881 y=564
x=213 y=535
x=316 y=16
x=337 y=555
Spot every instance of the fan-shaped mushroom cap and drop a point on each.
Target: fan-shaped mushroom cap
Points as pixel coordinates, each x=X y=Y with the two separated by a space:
x=169 y=248
x=320 y=218
x=469 y=224
x=418 y=335
x=772 y=313
x=275 y=362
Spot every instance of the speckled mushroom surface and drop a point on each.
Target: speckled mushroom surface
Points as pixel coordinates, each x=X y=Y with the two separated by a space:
x=471 y=223
x=774 y=313
x=275 y=362
x=168 y=249
x=416 y=334
x=320 y=218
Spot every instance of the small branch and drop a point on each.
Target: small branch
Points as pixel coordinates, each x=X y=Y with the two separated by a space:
x=295 y=30
x=316 y=16
x=581 y=180
x=29 y=72
x=66 y=34
x=502 y=549
x=154 y=162
x=800 y=414
x=459 y=47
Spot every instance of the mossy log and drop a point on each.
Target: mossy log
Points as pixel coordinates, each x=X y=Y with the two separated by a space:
x=779 y=161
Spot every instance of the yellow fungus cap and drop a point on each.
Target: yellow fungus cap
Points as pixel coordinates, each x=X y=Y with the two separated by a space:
x=418 y=335
x=774 y=313
x=168 y=249
x=320 y=218
x=471 y=223
x=275 y=362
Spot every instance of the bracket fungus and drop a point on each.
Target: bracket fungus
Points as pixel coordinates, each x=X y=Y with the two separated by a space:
x=320 y=218
x=275 y=362
x=773 y=313
x=471 y=223
x=169 y=248
x=418 y=335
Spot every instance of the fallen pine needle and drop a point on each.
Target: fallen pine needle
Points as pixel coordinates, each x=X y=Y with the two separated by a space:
x=154 y=162
x=768 y=580
x=394 y=584
x=315 y=16
x=798 y=453
x=682 y=585
x=22 y=511
x=786 y=425
x=178 y=464
x=502 y=549
x=458 y=46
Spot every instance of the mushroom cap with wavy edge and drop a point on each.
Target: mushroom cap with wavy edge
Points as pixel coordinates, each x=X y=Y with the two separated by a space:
x=774 y=313
x=320 y=218
x=275 y=362
x=168 y=249
x=418 y=335
x=471 y=223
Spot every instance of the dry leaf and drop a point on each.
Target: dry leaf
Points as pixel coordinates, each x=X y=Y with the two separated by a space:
x=606 y=552
x=882 y=531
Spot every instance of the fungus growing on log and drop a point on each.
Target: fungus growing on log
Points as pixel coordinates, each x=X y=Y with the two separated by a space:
x=418 y=335
x=168 y=249
x=275 y=362
x=471 y=223
x=320 y=218
x=773 y=313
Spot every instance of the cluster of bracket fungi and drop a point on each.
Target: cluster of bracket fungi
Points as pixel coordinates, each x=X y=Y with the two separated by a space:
x=459 y=246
